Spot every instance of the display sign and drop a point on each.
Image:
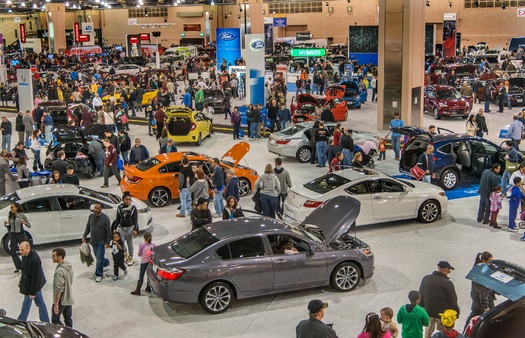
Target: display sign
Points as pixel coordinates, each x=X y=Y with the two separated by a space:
x=25 y=89
x=449 y=35
x=307 y=52
x=302 y=36
x=280 y=22
x=268 y=38
x=192 y=27
x=521 y=12
x=144 y=37
x=84 y=38
x=132 y=22
x=228 y=45
x=254 y=55
x=76 y=31
x=23 y=34
x=133 y=45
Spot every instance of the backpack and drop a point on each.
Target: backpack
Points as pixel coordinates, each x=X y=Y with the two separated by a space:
x=123 y=118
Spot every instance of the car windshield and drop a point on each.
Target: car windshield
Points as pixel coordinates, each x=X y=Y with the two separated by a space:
x=193 y=242
x=148 y=164
x=8 y=199
x=292 y=130
x=448 y=94
x=326 y=183
x=110 y=198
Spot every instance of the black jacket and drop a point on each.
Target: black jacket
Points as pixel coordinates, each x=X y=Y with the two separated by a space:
x=73 y=179
x=482 y=125
x=19 y=126
x=7 y=128
x=60 y=166
x=32 y=279
x=438 y=294
x=489 y=180
x=199 y=218
x=347 y=142
x=327 y=116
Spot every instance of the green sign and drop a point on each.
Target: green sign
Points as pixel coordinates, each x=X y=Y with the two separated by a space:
x=307 y=52
x=183 y=34
x=201 y=34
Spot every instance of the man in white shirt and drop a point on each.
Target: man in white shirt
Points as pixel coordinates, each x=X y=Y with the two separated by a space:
x=208 y=112
x=202 y=84
x=97 y=102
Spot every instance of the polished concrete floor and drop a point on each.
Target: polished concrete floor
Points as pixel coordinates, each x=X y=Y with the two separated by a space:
x=404 y=253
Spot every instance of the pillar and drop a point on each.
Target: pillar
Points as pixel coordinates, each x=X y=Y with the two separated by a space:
x=56 y=26
x=256 y=18
x=401 y=61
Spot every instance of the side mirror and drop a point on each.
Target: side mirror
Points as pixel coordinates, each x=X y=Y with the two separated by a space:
x=311 y=250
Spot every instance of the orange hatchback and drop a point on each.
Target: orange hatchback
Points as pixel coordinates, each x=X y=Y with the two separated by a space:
x=156 y=179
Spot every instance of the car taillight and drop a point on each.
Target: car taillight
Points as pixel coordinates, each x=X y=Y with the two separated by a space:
x=134 y=179
x=434 y=158
x=170 y=275
x=312 y=204
x=193 y=126
x=283 y=141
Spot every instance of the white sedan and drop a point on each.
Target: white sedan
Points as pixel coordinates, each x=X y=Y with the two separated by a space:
x=383 y=198
x=128 y=69
x=59 y=212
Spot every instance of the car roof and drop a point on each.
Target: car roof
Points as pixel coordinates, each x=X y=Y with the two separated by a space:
x=47 y=189
x=244 y=225
x=355 y=173
x=453 y=137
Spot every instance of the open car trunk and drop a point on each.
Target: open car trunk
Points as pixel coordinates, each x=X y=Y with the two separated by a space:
x=179 y=125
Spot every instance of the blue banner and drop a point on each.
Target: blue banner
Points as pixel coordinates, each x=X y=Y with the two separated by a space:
x=228 y=45
x=279 y=22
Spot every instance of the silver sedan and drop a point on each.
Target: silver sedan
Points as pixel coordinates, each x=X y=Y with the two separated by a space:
x=294 y=141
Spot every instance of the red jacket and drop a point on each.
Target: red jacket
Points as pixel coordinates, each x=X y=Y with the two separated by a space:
x=110 y=155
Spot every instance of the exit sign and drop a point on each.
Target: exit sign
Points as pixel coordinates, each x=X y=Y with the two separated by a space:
x=521 y=12
x=307 y=52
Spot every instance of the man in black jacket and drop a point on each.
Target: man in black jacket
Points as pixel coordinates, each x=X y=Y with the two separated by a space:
x=489 y=180
x=200 y=215
x=327 y=115
x=127 y=224
x=32 y=281
x=482 y=125
x=60 y=163
x=99 y=226
x=437 y=295
x=347 y=146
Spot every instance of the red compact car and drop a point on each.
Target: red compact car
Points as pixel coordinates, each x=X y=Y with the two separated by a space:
x=303 y=109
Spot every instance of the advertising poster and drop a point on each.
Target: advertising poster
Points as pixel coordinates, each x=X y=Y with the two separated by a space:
x=449 y=35
x=254 y=53
x=25 y=89
x=268 y=38
x=228 y=45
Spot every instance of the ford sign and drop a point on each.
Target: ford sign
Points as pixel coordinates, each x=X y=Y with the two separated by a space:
x=88 y=28
x=257 y=44
x=227 y=36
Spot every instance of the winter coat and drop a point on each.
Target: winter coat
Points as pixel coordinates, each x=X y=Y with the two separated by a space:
x=62 y=281
x=438 y=294
x=32 y=278
x=269 y=185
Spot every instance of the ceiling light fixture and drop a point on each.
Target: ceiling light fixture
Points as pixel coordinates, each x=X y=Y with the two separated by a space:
x=8 y=2
x=503 y=6
x=67 y=4
x=428 y=3
x=35 y=6
x=23 y=4
x=450 y=4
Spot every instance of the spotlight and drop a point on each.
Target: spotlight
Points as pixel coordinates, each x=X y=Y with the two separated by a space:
x=476 y=3
x=327 y=4
x=212 y=3
x=165 y=19
x=225 y=16
x=239 y=17
x=67 y=4
x=428 y=3
x=240 y=8
x=23 y=4
x=348 y=1
x=503 y=6
x=450 y=4
x=35 y=6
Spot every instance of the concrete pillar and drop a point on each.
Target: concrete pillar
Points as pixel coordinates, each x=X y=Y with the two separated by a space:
x=401 y=61
x=256 y=17
x=56 y=26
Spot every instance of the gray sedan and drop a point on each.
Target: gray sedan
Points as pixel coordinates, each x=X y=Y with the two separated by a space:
x=294 y=141
x=248 y=257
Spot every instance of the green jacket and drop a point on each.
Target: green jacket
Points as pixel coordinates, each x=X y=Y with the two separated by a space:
x=199 y=96
x=412 y=321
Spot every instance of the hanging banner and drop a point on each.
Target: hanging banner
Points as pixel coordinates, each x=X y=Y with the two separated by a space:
x=133 y=47
x=228 y=46
x=268 y=38
x=25 y=89
x=76 y=32
x=449 y=35
x=254 y=54
x=23 y=34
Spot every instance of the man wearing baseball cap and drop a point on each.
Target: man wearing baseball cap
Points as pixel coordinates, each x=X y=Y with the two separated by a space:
x=313 y=327
x=437 y=295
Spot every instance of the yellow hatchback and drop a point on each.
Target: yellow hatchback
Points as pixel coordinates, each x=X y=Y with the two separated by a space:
x=149 y=94
x=187 y=125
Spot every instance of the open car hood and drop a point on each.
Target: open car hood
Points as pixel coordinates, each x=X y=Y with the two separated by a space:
x=505 y=278
x=335 y=217
x=350 y=85
x=237 y=152
x=69 y=134
x=306 y=98
x=335 y=91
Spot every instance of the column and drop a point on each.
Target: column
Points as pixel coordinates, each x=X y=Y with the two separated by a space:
x=401 y=61
x=56 y=26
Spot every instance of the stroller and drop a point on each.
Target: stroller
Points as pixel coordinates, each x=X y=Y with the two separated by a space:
x=521 y=224
x=368 y=160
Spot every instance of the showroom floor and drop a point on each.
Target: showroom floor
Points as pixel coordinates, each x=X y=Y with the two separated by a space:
x=404 y=253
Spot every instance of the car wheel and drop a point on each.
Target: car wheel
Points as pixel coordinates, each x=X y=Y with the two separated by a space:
x=346 y=114
x=428 y=211
x=6 y=243
x=244 y=187
x=345 y=277
x=371 y=165
x=159 y=197
x=304 y=154
x=216 y=298
x=199 y=140
x=436 y=114
x=449 y=179
x=359 y=107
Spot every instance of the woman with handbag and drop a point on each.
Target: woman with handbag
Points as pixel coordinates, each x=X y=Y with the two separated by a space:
x=471 y=127
x=200 y=188
x=15 y=226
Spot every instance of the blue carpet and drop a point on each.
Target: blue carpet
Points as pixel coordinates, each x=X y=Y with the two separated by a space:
x=467 y=188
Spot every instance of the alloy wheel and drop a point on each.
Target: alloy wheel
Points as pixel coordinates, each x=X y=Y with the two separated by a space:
x=347 y=277
x=218 y=298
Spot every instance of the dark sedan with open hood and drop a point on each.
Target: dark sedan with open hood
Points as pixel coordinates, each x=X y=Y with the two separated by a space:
x=247 y=257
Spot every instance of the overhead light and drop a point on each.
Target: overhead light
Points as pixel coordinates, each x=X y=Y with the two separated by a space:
x=212 y=3
x=109 y=6
x=67 y=4
x=428 y=3
x=10 y=11
x=23 y=4
x=450 y=4
x=35 y=6
x=48 y=0
x=8 y=2
x=503 y=6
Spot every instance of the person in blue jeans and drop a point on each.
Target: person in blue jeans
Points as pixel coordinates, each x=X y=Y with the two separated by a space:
x=488 y=181
x=186 y=178
x=217 y=181
x=99 y=226
x=270 y=191
x=395 y=136
x=32 y=281
x=514 y=203
x=513 y=157
x=321 y=144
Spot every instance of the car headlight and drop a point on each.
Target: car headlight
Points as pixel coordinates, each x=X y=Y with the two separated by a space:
x=144 y=210
x=442 y=105
x=442 y=193
x=366 y=251
x=254 y=172
x=468 y=104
